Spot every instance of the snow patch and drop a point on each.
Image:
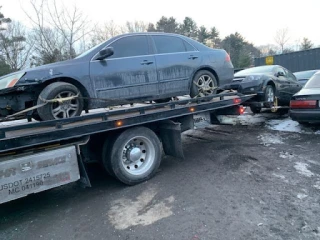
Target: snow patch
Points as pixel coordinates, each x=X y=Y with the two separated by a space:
x=268 y=139
x=286 y=125
x=301 y=196
x=302 y=168
x=286 y=155
x=251 y=119
x=278 y=176
x=317 y=185
x=145 y=210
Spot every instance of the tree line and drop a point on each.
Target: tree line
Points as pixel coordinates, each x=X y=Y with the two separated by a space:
x=58 y=34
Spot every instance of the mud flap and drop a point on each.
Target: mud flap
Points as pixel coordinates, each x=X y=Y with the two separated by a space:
x=84 y=180
x=170 y=133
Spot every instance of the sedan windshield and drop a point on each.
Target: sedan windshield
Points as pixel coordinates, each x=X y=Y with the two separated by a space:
x=90 y=50
x=262 y=69
x=314 y=81
x=305 y=74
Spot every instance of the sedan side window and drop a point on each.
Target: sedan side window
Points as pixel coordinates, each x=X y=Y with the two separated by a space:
x=130 y=46
x=189 y=47
x=168 y=44
x=290 y=76
x=281 y=70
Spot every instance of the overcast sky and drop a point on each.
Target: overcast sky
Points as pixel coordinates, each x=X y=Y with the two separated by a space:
x=256 y=20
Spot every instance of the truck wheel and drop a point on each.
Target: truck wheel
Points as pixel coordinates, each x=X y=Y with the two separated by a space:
x=134 y=156
x=56 y=110
x=203 y=84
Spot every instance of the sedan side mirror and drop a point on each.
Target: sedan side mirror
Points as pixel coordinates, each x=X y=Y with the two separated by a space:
x=280 y=74
x=104 y=53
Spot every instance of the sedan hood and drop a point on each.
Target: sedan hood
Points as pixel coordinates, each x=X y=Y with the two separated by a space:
x=308 y=91
x=248 y=74
x=52 y=65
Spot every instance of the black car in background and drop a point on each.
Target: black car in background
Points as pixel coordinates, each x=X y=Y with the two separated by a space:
x=127 y=68
x=304 y=76
x=268 y=82
x=305 y=104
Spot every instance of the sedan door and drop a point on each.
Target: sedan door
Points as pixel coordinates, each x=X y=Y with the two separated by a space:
x=295 y=86
x=284 y=90
x=130 y=73
x=176 y=61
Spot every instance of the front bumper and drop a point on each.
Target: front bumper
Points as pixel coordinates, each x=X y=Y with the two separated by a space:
x=305 y=115
x=14 y=100
x=247 y=88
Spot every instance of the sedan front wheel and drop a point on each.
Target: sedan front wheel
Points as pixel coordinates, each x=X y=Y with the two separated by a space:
x=60 y=109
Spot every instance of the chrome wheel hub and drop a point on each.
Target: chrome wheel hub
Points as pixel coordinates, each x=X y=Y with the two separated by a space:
x=270 y=95
x=205 y=85
x=138 y=155
x=134 y=154
x=65 y=109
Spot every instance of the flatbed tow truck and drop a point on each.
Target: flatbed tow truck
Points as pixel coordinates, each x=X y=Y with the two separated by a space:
x=128 y=142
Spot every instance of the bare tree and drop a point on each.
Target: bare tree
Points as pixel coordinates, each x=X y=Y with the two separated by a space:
x=136 y=26
x=267 y=50
x=282 y=38
x=57 y=32
x=14 y=47
x=104 y=32
x=70 y=25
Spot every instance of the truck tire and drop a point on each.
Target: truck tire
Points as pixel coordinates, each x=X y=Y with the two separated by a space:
x=205 y=80
x=134 y=156
x=66 y=109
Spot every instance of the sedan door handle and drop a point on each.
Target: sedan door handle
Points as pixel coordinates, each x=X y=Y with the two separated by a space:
x=146 y=62
x=192 y=57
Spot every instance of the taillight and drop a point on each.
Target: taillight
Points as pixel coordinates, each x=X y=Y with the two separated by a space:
x=228 y=58
x=241 y=110
x=303 y=103
x=237 y=100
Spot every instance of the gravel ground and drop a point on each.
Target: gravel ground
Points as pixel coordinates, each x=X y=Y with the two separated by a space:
x=245 y=181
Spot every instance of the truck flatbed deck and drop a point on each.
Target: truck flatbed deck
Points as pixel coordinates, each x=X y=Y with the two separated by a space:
x=128 y=141
x=36 y=133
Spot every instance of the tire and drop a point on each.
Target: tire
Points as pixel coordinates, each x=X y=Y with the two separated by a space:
x=207 y=80
x=134 y=156
x=283 y=111
x=255 y=109
x=61 y=89
x=267 y=95
x=164 y=100
x=36 y=116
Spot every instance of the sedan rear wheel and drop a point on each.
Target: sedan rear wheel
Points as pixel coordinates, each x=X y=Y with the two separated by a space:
x=203 y=84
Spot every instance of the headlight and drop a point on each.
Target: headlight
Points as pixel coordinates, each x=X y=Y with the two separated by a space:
x=251 y=78
x=10 y=80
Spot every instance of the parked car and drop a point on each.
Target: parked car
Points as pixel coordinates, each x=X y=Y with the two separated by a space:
x=126 y=68
x=268 y=82
x=304 y=76
x=305 y=104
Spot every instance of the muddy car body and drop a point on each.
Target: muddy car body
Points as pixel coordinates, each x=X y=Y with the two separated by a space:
x=126 y=68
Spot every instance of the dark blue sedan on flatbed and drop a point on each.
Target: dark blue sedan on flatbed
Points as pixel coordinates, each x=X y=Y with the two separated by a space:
x=124 y=69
